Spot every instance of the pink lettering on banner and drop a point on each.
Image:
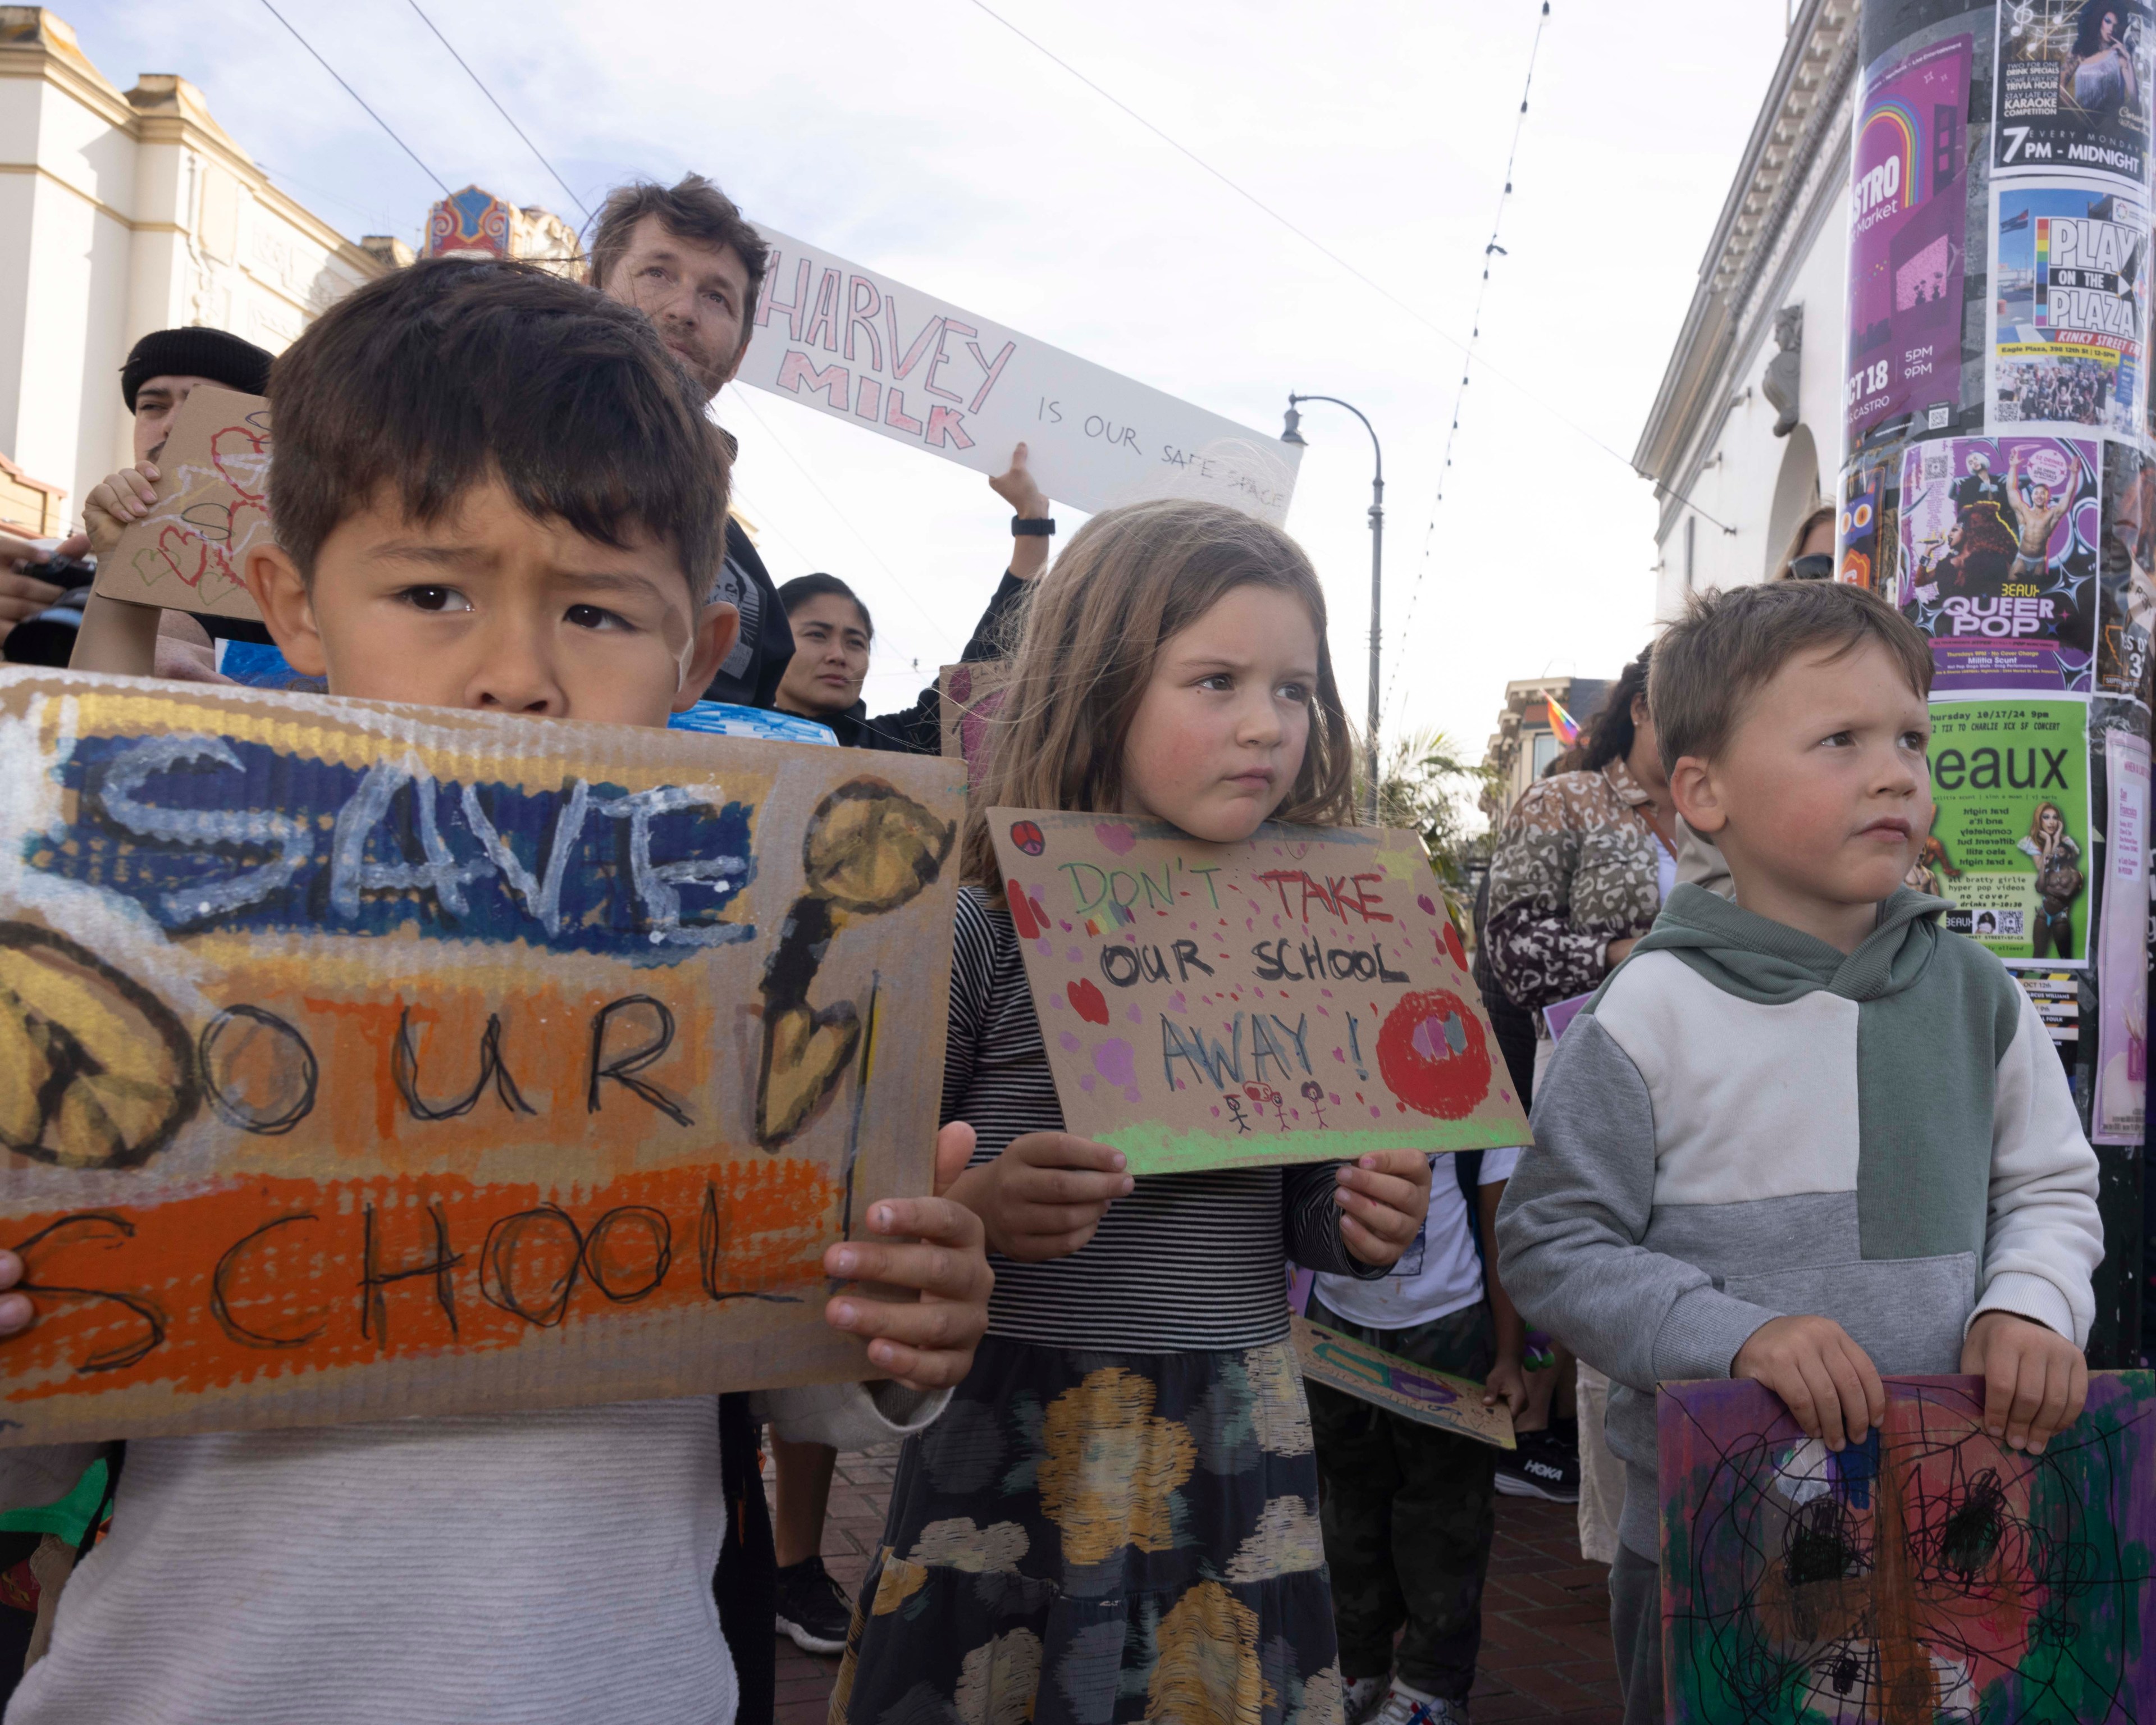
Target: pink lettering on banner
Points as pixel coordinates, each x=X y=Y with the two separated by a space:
x=799 y=373
x=770 y=302
x=922 y=342
x=826 y=315
x=943 y=421
x=868 y=398
x=894 y=412
x=942 y=359
x=863 y=312
x=994 y=370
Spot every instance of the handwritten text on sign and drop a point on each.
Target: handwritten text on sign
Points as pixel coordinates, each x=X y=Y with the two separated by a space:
x=358 y=1061
x=863 y=348
x=1297 y=997
x=189 y=552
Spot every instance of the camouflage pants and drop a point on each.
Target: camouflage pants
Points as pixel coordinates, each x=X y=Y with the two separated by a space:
x=1408 y=1513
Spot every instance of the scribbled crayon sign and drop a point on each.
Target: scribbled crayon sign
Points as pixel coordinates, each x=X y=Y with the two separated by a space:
x=359 y=1061
x=1423 y=1394
x=189 y=552
x=1297 y=997
x=1929 y=1573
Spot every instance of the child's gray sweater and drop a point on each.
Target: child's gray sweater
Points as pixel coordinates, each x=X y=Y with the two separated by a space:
x=1746 y=1123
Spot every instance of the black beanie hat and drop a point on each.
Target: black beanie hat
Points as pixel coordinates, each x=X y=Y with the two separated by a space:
x=196 y=351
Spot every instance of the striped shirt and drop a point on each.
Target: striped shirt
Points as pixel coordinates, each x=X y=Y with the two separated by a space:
x=1186 y=1262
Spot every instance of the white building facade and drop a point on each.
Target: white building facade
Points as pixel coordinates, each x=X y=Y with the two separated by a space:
x=1731 y=491
x=121 y=213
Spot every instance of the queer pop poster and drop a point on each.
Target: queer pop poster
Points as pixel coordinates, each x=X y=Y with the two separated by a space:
x=1929 y=1573
x=2127 y=573
x=2011 y=836
x=2071 y=87
x=1907 y=236
x=2122 y=1046
x=1999 y=557
x=371 y=1060
x=2070 y=310
x=189 y=552
x=889 y=358
x=1297 y=997
x=1422 y=1394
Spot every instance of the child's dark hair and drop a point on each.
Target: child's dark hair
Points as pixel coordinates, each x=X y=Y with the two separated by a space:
x=442 y=376
x=1133 y=577
x=802 y=588
x=1728 y=646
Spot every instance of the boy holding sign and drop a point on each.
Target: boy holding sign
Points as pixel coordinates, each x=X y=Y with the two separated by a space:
x=495 y=493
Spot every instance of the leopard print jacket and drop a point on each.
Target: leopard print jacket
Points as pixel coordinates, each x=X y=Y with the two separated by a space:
x=1574 y=869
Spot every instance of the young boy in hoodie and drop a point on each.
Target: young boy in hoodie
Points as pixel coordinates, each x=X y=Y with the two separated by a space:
x=1808 y=1136
x=494 y=490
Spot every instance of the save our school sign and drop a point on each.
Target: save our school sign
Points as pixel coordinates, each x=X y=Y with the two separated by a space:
x=855 y=344
x=360 y=1060
x=1298 y=997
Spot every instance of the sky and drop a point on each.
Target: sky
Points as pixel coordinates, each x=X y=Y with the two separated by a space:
x=927 y=141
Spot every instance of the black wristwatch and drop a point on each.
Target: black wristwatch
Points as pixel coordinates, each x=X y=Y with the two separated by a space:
x=1032 y=527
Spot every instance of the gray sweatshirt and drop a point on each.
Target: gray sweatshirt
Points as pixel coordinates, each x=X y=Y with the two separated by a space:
x=1746 y=1123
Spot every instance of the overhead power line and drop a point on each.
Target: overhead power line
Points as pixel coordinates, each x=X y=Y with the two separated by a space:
x=498 y=108
x=1375 y=286
x=355 y=96
x=1490 y=252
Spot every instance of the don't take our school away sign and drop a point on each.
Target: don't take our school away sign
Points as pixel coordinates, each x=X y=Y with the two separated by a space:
x=1298 y=997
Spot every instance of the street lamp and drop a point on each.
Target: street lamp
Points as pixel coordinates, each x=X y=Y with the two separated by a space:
x=1292 y=432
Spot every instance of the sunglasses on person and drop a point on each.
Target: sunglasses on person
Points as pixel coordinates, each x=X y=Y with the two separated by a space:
x=1815 y=566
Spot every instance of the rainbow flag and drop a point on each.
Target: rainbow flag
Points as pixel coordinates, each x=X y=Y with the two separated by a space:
x=1563 y=722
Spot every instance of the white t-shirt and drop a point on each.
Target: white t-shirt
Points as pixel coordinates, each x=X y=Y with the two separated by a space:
x=1437 y=1274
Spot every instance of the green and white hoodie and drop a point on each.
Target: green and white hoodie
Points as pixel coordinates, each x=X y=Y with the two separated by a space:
x=1746 y=1123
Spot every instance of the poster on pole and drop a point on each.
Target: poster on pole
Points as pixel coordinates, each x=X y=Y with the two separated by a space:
x=1299 y=997
x=2011 y=837
x=2070 y=88
x=1999 y=558
x=370 y=1061
x=2122 y=971
x=1908 y=236
x=2127 y=573
x=2069 y=308
x=189 y=552
x=1867 y=529
x=854 y=343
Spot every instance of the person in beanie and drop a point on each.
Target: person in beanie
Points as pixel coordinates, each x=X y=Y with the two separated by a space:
x=161 y=371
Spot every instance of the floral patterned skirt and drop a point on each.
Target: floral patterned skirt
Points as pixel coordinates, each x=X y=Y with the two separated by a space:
x=1085 y=1538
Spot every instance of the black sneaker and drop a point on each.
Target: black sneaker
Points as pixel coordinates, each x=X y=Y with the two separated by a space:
x=813 y=1609
x=1542 y=1466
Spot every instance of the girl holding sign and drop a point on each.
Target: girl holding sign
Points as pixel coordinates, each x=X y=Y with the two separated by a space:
x=1118 y=1513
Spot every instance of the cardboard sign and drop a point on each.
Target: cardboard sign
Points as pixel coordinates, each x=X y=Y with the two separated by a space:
x=1929 y=1572
x=1421 y=1393
x=365 y=1060
x=212 y=508
x=973 y=696
x=862 y=347
x=1296 y=998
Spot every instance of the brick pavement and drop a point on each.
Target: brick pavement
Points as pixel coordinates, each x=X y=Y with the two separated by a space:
x=1545 y=1617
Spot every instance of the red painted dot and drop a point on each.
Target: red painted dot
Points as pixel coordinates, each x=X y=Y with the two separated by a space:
x=1434 y=1056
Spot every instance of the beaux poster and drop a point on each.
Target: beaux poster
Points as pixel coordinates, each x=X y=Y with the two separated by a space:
x=1907 y=228
x=2011 y=842
x=1999 y=558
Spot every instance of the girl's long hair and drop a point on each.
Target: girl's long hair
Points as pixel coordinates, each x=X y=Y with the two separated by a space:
x=1130 y=578
x=1611 y=734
